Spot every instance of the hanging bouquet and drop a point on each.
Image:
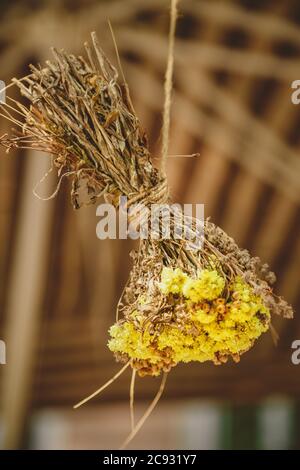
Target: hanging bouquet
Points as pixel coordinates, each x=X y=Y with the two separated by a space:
x=181 y=303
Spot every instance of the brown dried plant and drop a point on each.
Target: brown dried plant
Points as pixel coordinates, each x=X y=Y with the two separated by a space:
x=82 y=115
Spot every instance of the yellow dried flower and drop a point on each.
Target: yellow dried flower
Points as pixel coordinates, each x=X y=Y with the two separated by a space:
x=207 y=287
x=172 y=280
x=212 y=330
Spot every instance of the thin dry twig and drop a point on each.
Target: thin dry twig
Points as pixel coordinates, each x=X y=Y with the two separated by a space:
x=107 y=384
x=147 y=413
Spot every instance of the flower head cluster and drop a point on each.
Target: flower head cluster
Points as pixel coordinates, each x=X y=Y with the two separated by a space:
x=206 y=322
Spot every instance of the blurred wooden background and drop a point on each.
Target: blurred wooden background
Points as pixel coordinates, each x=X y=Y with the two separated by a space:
x=235 y=62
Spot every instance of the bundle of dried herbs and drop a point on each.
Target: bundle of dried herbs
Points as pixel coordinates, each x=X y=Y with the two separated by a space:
x=180 y=304
x=83 y=117
x=186 y=305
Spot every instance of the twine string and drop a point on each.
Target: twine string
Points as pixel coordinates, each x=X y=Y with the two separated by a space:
x=168 y=86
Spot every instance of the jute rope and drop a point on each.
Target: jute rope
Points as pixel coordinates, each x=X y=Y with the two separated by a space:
x=168 y=86
x=159 y=194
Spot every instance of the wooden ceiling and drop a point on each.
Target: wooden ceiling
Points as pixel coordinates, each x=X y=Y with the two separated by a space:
x=235 y=62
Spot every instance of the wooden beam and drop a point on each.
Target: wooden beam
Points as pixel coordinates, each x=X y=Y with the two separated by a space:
x=26 y=290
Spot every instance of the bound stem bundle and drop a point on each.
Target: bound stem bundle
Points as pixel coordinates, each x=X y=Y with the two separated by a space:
x=208 y=303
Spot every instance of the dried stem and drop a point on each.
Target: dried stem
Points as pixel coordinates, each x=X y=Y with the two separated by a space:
x=132 y=388
x=107 y=384
x=147 y=413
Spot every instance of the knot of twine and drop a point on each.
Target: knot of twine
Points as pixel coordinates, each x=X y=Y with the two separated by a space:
x=144 y=199
x=158 y=194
